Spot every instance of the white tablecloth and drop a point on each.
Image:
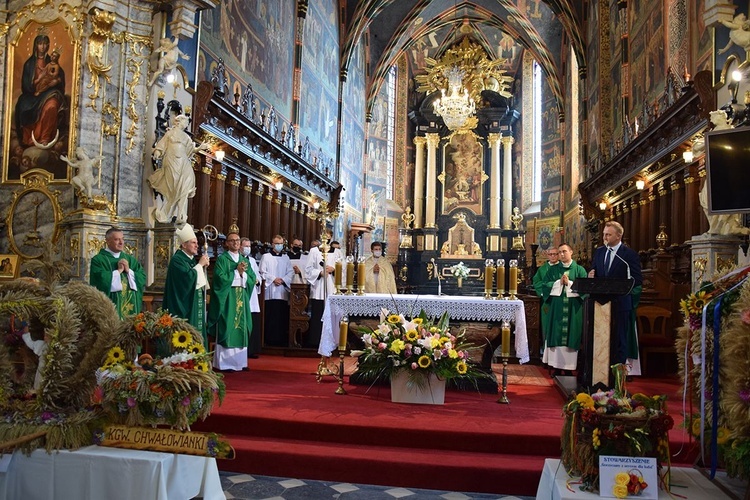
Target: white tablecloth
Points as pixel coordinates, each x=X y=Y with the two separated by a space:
x=459 y=308
x=97 y=472
x=689 y=483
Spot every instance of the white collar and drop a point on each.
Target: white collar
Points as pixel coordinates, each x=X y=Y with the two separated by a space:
x=113 y=254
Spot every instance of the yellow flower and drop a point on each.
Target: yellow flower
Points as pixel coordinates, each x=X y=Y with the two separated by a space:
x=722 y=435
x=196 y=348
x=461 y=367
x=696 y=427
x=434 y=329
x=115 y=355
x=417 y=321
x=452 y=353
x=412 y=335
x=424 y=361
x=620 y=491
x=394 y=319
x=181 y=339
x=696 y=302
x=397 y=346
x=585 y=400
x=202 y=366
x=622 y=478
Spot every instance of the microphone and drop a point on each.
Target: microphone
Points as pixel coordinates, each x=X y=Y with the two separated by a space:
x=609 y=249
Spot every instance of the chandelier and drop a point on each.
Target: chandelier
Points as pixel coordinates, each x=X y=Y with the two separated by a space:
x=457 y=106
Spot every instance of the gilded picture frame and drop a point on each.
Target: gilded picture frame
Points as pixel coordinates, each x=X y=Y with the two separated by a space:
x=34 y=217
x=463 y=174
x=39 y=123
x=8 y=267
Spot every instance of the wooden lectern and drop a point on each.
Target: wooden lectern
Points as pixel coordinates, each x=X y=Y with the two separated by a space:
x=594 y=357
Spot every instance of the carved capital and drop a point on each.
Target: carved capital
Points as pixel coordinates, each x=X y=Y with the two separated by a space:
x=432 y=140
x=494 y=139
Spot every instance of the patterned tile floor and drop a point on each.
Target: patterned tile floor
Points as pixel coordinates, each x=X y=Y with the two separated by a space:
x=247 y=487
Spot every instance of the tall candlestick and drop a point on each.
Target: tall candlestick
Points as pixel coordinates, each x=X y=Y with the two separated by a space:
x=500 y=280
x=343 y=332
x=513 y=279
x=489 y=274
x=533 y=236
x=505 y=329
x=337 y=273
x=349 y=274
x=361 y=278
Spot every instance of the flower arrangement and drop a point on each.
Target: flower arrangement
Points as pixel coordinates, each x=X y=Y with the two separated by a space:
x=612 y=423
x=418 y=346
x=460 y=270
x=731 y=430
x=175 y=387
x=629 y=483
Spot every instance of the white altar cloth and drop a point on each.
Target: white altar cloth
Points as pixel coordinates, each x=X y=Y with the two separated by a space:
x=100 y=472
x=689 y=483
x=459 y=309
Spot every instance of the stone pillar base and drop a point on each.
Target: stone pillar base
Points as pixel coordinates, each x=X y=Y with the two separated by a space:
x=711 y=254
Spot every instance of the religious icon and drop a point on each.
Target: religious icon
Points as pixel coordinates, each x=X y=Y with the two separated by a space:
x=463 y=174
x=8 y=266
x=42 y=62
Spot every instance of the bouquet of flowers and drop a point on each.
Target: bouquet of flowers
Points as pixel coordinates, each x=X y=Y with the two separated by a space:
x=612 y=423
x=176 y=387
x=419 y=346
x=460 y=270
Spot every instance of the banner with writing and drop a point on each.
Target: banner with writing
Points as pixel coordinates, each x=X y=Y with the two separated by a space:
x=166 y=440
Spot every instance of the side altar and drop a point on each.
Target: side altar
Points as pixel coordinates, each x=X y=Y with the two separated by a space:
x=460 y=309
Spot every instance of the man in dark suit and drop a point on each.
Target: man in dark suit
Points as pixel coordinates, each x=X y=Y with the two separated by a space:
x=615 y=260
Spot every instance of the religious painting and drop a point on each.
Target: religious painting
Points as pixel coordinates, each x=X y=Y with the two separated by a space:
x=38 y=129
x=463 y=174
x=8 y=266
x=34 y=216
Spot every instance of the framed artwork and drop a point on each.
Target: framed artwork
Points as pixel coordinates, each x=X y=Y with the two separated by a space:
x=39 y=120
x=463 y=174
x=8 y=266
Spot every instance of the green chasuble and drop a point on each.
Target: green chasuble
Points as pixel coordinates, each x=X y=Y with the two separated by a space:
x=229 y=316
x=542 y=289
x=566 y=313
x=127 y=302
x=180 y=296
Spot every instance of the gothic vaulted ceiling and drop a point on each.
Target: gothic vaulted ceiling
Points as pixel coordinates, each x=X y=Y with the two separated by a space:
x=425 y=28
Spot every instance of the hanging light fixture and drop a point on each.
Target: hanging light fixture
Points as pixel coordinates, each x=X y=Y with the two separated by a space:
x=456 y=106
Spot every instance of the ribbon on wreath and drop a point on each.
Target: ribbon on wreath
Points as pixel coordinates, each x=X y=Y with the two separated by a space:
x=715 y=391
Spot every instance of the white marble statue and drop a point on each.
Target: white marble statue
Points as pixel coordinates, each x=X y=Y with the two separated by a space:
x=175 y=180
x=169 y=57
x=722 y=224
x=739 y=32
x=719 y=120
x=84 y=179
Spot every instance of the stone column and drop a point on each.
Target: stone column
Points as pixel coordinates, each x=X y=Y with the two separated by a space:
x=494 y=142
x=419 y=142
x=507 y=180
x=430 y=209
x=709 y=253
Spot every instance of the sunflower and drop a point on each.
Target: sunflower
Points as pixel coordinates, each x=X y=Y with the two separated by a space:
x=412 y=335
x=722 y=435
x=696 y=427
x=181 y=339
x=394 y=319
x=424 y=361
x=115 y=355
x=196 y=348
x=461 y=367
x=202 y=366
x=694 y=303
x=417 y=321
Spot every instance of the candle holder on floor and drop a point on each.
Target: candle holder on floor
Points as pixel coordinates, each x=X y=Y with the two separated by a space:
x=504 y=395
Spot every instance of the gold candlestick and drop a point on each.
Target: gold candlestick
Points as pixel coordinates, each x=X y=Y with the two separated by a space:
x=505 y=353
x=343 y=332
x=337 y=276
x=489 y=274
x=500 y=281
x=361 y=277
x=513 y=279
x=349 y=274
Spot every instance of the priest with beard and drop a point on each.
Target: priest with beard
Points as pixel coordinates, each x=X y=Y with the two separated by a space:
x=566 y=312
x=229 y=318
x=276 y=271
x=186 y=280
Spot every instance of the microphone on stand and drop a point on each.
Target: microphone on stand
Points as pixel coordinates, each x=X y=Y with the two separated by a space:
x=626 y=262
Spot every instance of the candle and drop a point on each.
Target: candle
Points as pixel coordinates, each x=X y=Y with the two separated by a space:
x=533 y=236
x=337 y=273
x=489 y=273
x=343 y=332
x=361 y=276
x=506 y=339
x=513 y=280
x=349 y=274
x=500 y=281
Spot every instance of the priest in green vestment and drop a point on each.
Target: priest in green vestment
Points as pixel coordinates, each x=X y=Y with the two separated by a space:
x=542 y=288
x=566 y=312
x=118 y=275
x=186 y=280
x=229 y=317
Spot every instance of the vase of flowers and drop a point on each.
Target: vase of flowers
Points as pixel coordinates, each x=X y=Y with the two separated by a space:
x=460 y=271
x=417 y=355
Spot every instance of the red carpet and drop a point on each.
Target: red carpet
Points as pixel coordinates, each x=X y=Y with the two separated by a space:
x=282 y=423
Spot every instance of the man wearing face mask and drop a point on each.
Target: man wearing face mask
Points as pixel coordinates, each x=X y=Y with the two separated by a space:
x=542 y=287
x=318 y=273
x=276 y=270
x=253 y=346
x=379 y=277
x=229 y=318
x=298 y=259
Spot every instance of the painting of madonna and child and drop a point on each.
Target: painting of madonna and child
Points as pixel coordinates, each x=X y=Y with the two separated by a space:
x=463 y=174
x=42 y=73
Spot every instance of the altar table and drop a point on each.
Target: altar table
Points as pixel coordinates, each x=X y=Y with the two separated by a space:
x=100 y=472
x=689 y=483
x=458 y=308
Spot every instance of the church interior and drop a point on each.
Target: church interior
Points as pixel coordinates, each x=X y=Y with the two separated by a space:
x=472 y=134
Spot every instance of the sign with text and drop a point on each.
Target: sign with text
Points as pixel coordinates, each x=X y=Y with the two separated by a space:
x=621 y=477
x=167 y=440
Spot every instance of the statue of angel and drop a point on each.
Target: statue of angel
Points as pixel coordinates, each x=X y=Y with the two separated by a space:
x=739 y=33
x=84 y=179
x=169 y=57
